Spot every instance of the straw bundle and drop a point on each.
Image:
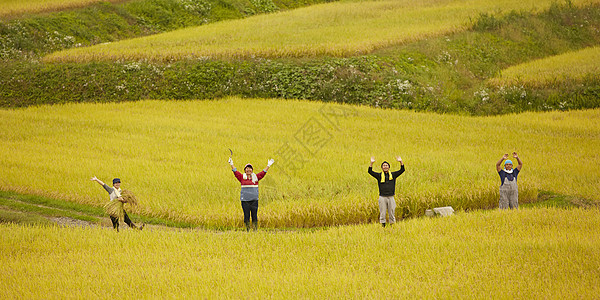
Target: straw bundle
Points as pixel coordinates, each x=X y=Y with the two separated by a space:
x=129 y=197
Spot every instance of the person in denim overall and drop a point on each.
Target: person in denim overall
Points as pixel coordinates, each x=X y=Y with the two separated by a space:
x=509 y=190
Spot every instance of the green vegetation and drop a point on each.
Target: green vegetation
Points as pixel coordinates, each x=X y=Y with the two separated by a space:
x=550 y=199
x=538 y=253
x=173 y=156
x=445 y=74
x=28 y=209
x=18 y=217
x=41 y=210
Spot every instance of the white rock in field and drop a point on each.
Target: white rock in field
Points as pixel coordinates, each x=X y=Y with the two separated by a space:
x=429 y=213
x=444 y=211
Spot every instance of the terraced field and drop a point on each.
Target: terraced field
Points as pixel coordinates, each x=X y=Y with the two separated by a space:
x=335 y=29
x=318 y=235
x=10 y=8
x=556 y=70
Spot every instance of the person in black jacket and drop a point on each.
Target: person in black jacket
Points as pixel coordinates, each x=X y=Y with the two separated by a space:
x=387 y=188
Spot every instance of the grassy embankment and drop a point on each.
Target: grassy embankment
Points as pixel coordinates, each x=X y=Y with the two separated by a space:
x=525 y=254
x=173 y=155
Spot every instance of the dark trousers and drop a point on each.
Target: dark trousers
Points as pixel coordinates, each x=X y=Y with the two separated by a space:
x=250 y=208
x=115 y=221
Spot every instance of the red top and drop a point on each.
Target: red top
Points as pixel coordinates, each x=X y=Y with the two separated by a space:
x=240 y=178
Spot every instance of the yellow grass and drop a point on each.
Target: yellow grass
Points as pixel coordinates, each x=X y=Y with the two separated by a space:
x=337 y=29
x=526 y=254
x=571 y=66
x=173 y=156
x=16 y=7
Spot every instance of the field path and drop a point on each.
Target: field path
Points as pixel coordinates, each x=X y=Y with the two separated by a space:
x=70 y=222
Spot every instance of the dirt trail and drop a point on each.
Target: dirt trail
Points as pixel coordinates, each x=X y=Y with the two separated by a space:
x=70 y=222
x=106 y=224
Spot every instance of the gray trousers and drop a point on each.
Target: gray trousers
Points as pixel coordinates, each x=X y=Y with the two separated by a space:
x=387 y=204
x=509 y=195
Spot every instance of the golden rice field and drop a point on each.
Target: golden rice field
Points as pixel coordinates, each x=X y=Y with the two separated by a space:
x=525 y=254
x=571 y=66
x=16 y=7
x=341 y=28
x=173 y=156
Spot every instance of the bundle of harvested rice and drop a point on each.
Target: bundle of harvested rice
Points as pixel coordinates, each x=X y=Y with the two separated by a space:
x=114 y=208
x=129 y=197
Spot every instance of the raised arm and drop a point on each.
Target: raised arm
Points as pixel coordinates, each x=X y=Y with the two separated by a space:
x=231 y=163
x=499 y=163
x=269 y=164
x=371 y=172
x=106 y=187
x=397 y=173
x=236 y=173
x=260 y=175
x=518 y=160
x=97 y=180
x=399 y=159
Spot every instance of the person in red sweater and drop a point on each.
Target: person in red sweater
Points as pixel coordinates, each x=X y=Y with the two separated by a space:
x=249 y=191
